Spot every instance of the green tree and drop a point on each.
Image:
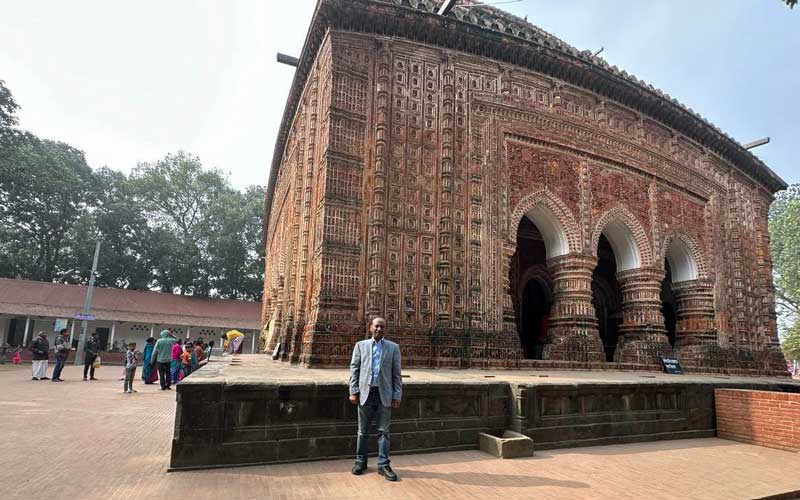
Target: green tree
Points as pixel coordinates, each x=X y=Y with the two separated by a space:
x=790 y=344
x=45 y=187
x=177 y=196
x=117 y=220
x=8 y=113
x=784 y=232
x=234 y=246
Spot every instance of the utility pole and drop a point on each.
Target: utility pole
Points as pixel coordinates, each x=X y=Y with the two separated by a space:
x=87 y=306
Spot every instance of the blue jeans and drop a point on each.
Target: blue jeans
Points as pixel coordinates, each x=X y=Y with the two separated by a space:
x=59 y=366
x=383 y=416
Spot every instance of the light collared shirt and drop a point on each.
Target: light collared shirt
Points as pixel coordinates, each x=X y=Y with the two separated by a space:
x=377 y=350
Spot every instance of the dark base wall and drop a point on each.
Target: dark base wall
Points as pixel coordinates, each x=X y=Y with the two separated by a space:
x=243 y=423
x=225 y=425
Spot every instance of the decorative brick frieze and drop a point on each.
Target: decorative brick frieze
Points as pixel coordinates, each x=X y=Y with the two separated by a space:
x=573 y=334
x=406 y=175
x=695 y=332
x=642 y=336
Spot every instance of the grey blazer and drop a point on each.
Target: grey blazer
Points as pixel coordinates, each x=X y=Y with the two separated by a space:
x=390 y=381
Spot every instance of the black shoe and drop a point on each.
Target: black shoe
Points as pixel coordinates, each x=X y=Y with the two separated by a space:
x=34 y=378
x=388 y=473
x=92 y=378
x=45 y=378
x=56 y=380
x=359 y=468
x=85 y=379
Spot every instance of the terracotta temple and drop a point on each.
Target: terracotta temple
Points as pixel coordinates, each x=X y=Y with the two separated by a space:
x=506 y=200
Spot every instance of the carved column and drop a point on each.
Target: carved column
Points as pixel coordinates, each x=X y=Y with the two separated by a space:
x=695 y=333
x=642 y=336
x=573 y=334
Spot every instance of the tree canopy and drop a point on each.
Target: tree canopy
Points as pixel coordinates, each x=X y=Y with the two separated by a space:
x=784 y=232
x=171 y=225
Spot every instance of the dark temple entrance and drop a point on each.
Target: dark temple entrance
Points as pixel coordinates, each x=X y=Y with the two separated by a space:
x=668 y=305
x=531 y=289
x=607 y=297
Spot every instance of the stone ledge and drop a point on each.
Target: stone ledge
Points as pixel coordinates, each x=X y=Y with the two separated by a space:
x=509 y=445
x=257 y=411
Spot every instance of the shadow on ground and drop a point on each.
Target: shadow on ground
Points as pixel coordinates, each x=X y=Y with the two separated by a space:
x=497 y=480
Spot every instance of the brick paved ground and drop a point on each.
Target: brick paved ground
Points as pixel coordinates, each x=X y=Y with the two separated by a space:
x=87 y=440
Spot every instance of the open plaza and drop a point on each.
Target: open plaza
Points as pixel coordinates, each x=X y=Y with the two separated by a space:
x=88 y=440
x=483 y=263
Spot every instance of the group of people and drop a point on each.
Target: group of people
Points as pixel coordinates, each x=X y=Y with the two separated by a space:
x=167 y=359
x=40 y=353
x=170 y=359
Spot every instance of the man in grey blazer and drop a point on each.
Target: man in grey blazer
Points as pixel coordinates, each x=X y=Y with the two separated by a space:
x=376 y=386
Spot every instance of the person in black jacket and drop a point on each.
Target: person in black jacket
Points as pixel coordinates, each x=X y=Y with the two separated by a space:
x=62 y=346
x=91 y=349
x=41 y=349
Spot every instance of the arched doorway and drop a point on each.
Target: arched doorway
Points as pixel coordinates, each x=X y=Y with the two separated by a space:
x=668 y=305
x=531 y=282
x=607 y=297
x=617 y=251
x=680 y=266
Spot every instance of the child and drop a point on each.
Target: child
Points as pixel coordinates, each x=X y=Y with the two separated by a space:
x=186 y=360
x=17 y=358
x=131 y=361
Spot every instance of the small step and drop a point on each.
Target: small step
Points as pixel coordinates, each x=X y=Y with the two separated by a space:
x=510 y=445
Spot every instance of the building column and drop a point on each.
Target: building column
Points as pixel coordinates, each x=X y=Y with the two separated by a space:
x=71 y=332
x=188 y=331
x=642 y=335
x=573 y=333
x=111 y=336
x=695 y=332
x=27 y=331
x=152 y=330
x=253 y=343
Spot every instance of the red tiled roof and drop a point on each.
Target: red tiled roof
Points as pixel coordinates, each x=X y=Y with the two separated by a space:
x=35 y=298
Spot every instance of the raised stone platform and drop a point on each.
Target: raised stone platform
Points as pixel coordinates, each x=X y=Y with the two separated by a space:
x=252 y=410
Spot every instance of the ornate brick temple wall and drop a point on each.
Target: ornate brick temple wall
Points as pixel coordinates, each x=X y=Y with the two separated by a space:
x=436 y=171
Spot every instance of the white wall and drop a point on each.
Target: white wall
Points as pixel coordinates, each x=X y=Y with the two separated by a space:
x=126 y=332
x=4 y=323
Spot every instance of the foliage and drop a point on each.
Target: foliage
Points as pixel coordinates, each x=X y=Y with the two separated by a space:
x=171 y=225
x=790 y=344
x=784 y=231
x=8 y=110
x=45 y=186
x=790 y=3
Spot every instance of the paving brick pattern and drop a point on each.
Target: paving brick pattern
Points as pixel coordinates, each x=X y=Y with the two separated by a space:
x=87 y=440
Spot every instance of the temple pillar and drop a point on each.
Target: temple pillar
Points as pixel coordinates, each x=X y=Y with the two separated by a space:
x=695 y=333
x=573 y=334
x=642 y=335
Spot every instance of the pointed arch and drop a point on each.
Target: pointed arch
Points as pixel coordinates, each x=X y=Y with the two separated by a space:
x=627 y=236
x=553 y=220
x=684 y=254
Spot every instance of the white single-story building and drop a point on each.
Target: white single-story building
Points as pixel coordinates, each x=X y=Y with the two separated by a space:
x=122 y=316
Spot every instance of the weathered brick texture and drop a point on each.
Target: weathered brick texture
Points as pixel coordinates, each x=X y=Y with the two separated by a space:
x=409 y=167
x=763 y=418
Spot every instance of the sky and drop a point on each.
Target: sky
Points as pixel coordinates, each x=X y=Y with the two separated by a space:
x=128 y=82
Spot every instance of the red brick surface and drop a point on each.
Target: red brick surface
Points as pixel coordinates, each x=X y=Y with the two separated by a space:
x=88 y=441
x=763 y=418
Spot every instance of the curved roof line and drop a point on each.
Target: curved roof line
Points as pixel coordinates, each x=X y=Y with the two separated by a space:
x=506 y=36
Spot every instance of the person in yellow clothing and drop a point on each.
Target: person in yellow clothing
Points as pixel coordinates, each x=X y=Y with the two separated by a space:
x=232 y=340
